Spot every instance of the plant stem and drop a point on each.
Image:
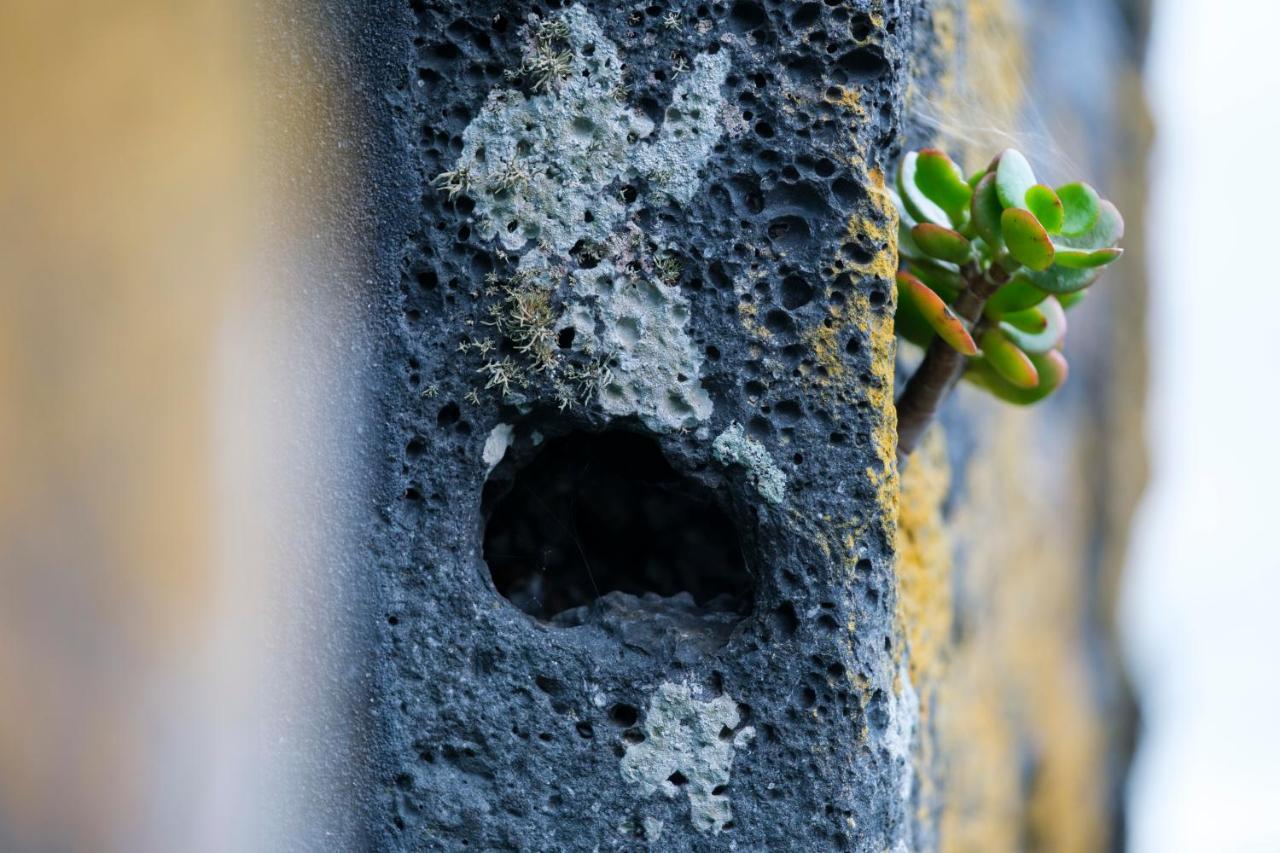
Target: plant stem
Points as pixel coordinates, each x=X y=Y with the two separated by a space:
x=942 y=365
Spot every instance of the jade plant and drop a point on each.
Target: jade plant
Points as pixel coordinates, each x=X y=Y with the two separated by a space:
x=988 y=268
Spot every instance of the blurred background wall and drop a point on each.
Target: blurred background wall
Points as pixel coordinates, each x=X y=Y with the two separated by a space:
x=181 y=347
x=1204 y=571
x=1014 y=524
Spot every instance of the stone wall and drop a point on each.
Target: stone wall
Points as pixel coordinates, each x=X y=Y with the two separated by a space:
x=650 y=577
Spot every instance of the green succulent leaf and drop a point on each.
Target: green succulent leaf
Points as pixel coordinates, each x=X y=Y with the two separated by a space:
x=936 y=313
x=1075 y=297
x=1059 y=280
x=1047 y=207
x=1013 y=178
x=942 y=181
x=1051 y=369
x=942 y=243
x=1013 y=365
x=1052 y=243
x=907 y=247
x=1079 y=207
x=920 y=206
x=941 y=276
x=1078 y=259
x=1105 y=233
x=986 y=211
x=1032 y=320
x=1026 y=238
x=908 y=322
x=1038 y=342
x=1016 y=295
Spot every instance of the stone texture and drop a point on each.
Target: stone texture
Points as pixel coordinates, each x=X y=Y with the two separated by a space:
x=700 y=241
x=669 y=222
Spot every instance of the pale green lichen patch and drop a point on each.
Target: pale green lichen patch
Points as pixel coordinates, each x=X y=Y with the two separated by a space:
x=683 y=750
x=496 y=444
x=690 y=129
x=540 y=164
x=654 y=360
x=547 y=172
x=545 y=168
x=735 y=447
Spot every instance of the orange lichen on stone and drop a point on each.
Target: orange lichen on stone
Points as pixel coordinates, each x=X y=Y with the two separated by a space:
x=850 y=97
x=884 y=433
x=825 y=340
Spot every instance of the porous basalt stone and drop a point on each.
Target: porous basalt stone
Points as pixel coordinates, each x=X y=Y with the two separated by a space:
x=741 y=246
x=680 y=229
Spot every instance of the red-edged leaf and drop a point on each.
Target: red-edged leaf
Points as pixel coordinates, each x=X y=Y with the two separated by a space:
x=1026 y=238
x=1047 y=207
x=941 y=277
x=941 y=243
x=1011 y=363
x=908 y=322
x=936 y=313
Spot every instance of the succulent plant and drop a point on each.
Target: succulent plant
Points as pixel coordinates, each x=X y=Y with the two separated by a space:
x=987 y=269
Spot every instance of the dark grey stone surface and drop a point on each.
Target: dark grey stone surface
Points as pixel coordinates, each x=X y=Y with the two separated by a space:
x=759 y=720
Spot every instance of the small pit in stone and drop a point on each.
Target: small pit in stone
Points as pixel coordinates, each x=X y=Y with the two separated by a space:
x=600 y=528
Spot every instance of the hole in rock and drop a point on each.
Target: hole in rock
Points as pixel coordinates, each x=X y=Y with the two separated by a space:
x=597 y=514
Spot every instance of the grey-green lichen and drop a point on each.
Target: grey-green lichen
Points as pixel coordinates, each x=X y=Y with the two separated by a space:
x=735 y=447
x=547 y=172
x=683 y=750
x=690 y=129
x=654 y=360
x=496 y=444
x=904 y=715
x=540 y=164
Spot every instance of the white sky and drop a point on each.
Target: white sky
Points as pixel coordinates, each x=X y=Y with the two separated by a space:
x=1200 y=608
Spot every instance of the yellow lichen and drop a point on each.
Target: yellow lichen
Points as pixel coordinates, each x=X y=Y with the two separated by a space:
x=881 y=230
x=851 y=98
x=747 y=317
x=923 y=571
x=923 y=548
